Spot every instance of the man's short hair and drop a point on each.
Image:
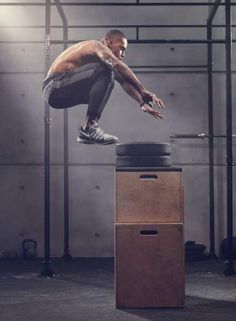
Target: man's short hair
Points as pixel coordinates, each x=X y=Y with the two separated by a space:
x=115 y=33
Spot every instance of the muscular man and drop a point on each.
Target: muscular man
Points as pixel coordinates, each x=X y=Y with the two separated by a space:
x=85 y=73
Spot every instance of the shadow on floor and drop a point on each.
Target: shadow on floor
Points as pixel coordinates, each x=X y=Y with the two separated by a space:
x=84 y=291
x=205 y=309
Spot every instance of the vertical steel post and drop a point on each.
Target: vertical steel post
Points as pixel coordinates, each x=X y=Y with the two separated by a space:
x=228 y=22
x=47 y=272
x=66 y=254
x=137 y=33
x=211 y=141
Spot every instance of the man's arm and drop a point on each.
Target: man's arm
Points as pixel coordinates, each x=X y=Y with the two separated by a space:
x=146 y=107
x=130 y=90
x=120 y=68
x=125 y=73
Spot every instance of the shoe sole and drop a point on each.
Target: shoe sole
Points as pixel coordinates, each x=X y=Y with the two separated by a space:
x=85 y=141
x=91 y=142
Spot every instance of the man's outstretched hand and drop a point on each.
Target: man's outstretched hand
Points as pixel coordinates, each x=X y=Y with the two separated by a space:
x=149 y=109
x=150 y=101
x=149 y=97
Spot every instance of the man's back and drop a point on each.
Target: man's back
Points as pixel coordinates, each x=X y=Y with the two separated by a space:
x=74 y=57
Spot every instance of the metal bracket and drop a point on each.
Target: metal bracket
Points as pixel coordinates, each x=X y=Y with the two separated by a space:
x=47 y=42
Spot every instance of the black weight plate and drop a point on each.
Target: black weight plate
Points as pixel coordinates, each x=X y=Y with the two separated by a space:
x=194 y=252
x=143 y=161
x=193 y=258
x=143 y=149
x=225 y=248
x=195 y=247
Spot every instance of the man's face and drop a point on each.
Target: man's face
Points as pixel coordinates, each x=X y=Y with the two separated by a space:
x=118 y=46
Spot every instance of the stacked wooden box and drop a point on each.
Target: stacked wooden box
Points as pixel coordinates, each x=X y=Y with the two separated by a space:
x=149 y=241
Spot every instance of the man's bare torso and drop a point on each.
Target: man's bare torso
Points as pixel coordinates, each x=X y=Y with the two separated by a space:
x=111 y=53
x=74 y=57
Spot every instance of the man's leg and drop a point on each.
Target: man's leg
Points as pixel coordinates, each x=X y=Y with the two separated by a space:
x=103 y=83
x=90 y=84
x=99 y=94
x=70 y=88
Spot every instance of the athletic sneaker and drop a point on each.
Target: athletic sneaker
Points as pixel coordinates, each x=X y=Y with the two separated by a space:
x=95 y=135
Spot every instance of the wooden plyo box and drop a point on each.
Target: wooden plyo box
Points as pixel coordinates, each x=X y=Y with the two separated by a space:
x=149 y=242
x=148 y=197
x=149 y=265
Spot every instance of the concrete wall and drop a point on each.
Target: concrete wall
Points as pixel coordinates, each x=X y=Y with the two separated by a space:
x=91 y=170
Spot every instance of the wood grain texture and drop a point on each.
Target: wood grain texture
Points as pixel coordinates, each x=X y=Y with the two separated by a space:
x=149 y=269
x=141 y=200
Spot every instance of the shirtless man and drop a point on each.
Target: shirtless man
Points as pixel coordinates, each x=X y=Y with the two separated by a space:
x=85 y=73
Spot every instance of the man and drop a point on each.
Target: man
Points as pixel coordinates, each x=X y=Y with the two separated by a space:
x=85 y=73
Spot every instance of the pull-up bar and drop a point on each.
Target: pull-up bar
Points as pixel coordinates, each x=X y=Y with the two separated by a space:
x=131 y=41
x=123 y=4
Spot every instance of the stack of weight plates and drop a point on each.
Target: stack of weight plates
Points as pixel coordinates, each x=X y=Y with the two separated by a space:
x=194 y=251
x=143 y=154
x=225 y=248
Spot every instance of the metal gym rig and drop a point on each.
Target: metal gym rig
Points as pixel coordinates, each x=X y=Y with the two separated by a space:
x=214 y=6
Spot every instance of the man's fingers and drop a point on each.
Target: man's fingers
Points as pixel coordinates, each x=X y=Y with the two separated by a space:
x=158 y=102
x=157 y=115
x=152 y=111
x=161 y=104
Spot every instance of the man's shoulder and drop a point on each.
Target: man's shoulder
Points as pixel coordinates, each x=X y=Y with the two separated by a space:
x=97 y=43
x=90 y=44
x=91 y=41
x=86 y=42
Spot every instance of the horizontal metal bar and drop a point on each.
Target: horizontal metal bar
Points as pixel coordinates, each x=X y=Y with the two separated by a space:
x=195 y=72
x=99 y=164
x=200 y=164
x=143 y=26
x=112 y=26
x=138 y=71
x=22 y=72
x=19 y=4
x=193 y=136
x=147 y=26
x=176 y=41
x=223 y=136
x=168 y=66
x=132 y=41
x=57 y=164
x=22 y=41
x=115 y=4
x=155 y=41
x=133 y=67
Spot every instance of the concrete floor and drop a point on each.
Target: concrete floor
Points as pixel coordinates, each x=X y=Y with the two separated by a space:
x=84 y=291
